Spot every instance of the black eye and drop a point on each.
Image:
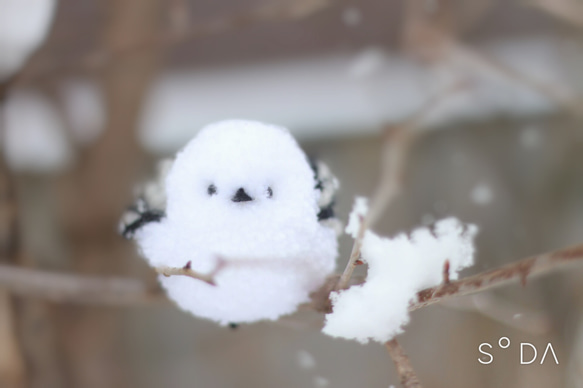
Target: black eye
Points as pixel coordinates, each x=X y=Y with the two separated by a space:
x=211 y=190
x=269 y=192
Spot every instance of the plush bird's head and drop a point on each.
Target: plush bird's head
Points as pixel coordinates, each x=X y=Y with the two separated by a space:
x=239 y=174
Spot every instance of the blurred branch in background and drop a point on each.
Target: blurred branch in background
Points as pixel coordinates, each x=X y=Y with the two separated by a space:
x=28 y=341
x=13 y=373
x=427 y=27
x=570 y=11
x=93 y=194
x=500 y=310
x=180 y=30
x=479 y=62
x=77 y=289
x=12 y=369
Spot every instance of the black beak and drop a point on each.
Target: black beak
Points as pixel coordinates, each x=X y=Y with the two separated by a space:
x=241 y=196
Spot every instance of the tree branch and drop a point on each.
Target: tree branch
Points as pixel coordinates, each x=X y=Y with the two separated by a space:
x=404 y=368
x=559 y=94
x=498 y=309
x=354 y=256
x=118 y=291
x=517 y=271
x=75 y=288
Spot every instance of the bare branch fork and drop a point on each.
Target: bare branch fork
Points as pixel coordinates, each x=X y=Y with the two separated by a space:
x=397 y=144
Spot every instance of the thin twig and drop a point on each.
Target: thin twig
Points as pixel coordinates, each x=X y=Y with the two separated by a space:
x=223 y=262
x=404 y=368
x=271 y=12
x=208 y=278
x=446 y=269
x=354 y=256
x=397 y=145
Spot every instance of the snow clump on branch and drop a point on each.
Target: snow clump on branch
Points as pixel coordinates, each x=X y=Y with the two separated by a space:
x=398 y=268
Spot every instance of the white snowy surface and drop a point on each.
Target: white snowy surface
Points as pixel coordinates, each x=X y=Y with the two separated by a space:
x=336 y=95
x=358 y=212
x=398 y=268
x=276 y=251
x=84 y=108
x=23 y=26
x=34 y=140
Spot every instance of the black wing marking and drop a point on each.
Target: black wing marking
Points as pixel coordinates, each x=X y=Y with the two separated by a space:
x=139 y=219
x=150 y=204
x=327 y=212
x=327 y=184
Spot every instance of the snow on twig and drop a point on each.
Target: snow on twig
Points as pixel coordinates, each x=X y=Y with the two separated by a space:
x=397 y=144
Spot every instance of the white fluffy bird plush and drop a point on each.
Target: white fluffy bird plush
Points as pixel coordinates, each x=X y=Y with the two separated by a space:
x=243 y=194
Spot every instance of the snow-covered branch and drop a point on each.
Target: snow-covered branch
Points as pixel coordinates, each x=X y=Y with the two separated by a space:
x=398 y=141
x=518 y=271
x=120 y=291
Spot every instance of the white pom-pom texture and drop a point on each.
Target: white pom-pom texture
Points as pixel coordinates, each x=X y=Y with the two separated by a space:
x=242 y=192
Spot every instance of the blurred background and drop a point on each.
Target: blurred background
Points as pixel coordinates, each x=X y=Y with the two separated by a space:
x=93 y=93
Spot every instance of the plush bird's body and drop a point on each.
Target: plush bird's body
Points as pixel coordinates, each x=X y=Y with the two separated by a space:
x=243 y=194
